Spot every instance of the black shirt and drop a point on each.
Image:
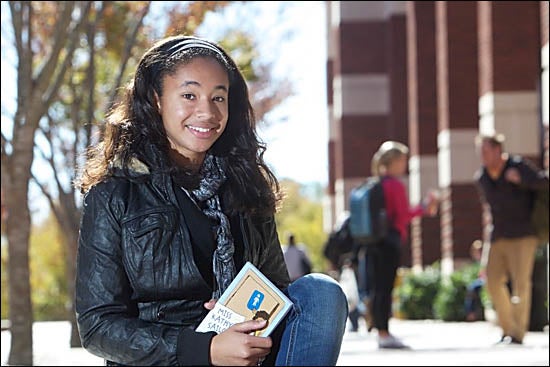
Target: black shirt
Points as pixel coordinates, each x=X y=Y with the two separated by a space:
x=511 y=204
x=203 y=243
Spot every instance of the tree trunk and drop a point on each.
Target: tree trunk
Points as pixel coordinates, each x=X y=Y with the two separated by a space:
x=35 y=94
x=18 y=224
x=71 y=241
x=18 y=231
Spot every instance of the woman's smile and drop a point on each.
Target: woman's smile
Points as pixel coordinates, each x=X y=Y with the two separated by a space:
x=202 y=132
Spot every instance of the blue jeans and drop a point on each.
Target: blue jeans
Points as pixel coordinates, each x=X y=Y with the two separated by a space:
x=311 y=334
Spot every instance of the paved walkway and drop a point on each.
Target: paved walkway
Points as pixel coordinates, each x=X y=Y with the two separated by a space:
x=437 y=343
x=433 y=343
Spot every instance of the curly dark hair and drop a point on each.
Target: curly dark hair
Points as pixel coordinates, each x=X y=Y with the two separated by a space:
x=134 y=130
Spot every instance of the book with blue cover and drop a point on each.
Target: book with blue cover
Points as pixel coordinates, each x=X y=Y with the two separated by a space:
x=251 y=295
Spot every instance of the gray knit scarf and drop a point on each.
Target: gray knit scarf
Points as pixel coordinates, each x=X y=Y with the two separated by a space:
x=206 y=196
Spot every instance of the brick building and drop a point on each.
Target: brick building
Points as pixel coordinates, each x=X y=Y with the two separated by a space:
x=433 y=74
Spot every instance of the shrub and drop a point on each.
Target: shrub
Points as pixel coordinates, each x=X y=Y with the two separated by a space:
x=416 y=293
x=449 y=302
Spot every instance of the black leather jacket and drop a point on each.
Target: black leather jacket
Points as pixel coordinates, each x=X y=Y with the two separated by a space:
x=137 y=285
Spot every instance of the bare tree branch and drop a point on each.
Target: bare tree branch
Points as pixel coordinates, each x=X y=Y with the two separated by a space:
x=73 y=42
x=59 y=37
x=129 y=43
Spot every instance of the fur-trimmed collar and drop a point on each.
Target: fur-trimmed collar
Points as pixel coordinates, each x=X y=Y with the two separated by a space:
x=135 y=165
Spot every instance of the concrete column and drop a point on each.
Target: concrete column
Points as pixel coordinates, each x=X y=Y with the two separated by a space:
x=329 y=213
x=509 y=74
x=396 y=28
x=422 y=138
x=457 y=95
x=396 y=48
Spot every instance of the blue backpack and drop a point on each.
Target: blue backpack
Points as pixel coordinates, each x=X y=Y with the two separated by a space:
x=368 y=222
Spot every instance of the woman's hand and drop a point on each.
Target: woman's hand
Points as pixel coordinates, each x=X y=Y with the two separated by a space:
x=431 y=203
x=236 y=347
x=210 y=304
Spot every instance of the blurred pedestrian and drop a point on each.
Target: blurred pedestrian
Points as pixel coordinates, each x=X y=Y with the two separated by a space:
x=348 y=282
x=473 y=305
x=390 y=164
x=296 y=258
x=339 y=246
x=341 y=253
x=506 y=185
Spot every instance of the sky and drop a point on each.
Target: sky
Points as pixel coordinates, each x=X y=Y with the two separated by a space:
x=297 y=147
x=292 y=35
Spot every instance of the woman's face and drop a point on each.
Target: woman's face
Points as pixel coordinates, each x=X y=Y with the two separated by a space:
x=398 y=166
x=194 y=107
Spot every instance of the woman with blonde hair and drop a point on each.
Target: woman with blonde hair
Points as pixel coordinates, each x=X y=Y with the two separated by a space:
x=390 y=164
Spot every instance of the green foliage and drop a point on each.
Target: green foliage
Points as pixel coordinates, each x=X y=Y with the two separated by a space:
x=427 y=295
x=540 y=214
x=118 y=19
x=416 y=293
x=48 y=279
x=302 y=215
x=243 y=51
x=449 y=302
x=47 y=269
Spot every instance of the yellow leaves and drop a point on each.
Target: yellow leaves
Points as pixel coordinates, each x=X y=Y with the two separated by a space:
x=302 y=214
x=47 y=270
x=185 y=20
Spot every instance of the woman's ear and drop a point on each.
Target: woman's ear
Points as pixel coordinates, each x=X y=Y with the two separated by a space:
x=157 y=101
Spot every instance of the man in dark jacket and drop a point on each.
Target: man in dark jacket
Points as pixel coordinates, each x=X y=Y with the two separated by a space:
x=506 y=187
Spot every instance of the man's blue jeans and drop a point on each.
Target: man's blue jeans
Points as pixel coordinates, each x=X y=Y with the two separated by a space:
x=312 y=332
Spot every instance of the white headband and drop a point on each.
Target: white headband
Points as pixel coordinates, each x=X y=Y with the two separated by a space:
x=191 y=43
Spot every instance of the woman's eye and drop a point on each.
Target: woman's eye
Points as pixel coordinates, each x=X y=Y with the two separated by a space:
x=188 y=96
x=219 y=99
